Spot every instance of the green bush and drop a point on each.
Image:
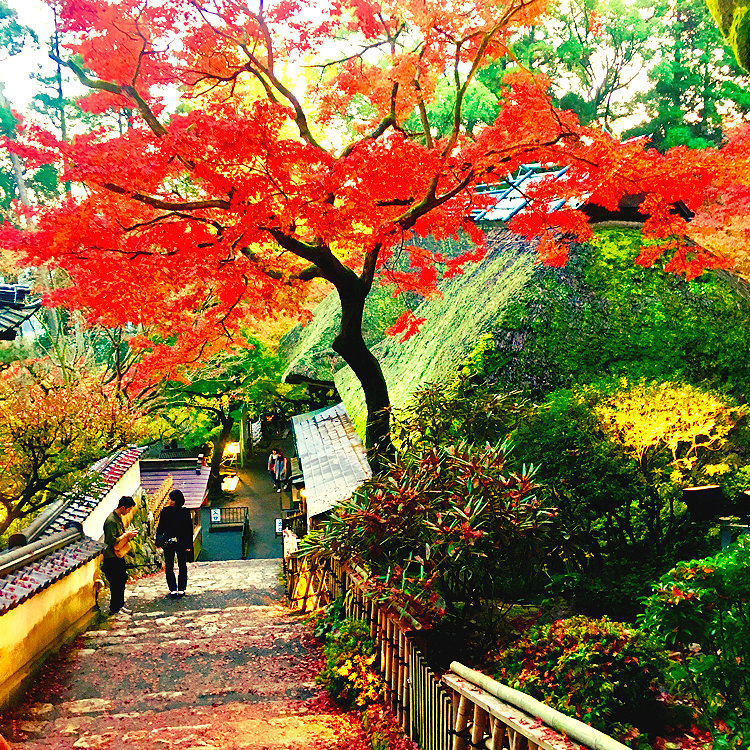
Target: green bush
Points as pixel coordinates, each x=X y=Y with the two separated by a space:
x=614 y=589
x=348 y=674
x=454 y=529
x=605 y=315
x=601 y=672
x=617 y=454
x=701 y=610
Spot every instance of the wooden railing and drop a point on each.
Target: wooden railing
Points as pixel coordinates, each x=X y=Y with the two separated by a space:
x=458 y=710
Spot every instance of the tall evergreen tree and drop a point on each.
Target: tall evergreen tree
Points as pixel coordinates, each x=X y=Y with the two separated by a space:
x=696 y=87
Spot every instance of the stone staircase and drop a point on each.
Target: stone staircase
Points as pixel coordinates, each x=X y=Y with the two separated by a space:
x=226 y=666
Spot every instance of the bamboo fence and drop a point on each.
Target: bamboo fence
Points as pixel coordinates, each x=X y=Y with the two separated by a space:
x=159 y=499
x=459 y=710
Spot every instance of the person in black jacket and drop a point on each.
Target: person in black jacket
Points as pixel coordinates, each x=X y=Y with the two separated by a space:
x=174 y=535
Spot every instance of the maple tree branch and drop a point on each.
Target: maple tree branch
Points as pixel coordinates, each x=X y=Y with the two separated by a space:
x=432 y=201
x=167 y=205
x=462 y=89
x=421 y=106
x=370 y=264
x=347 y=58
x=231 y=307
x=174 y=214
x=126 y=91
x=257 y=68
x=382 y=126
x=203 y=407
x=328 y=266
x=143 y=46
x=306 y=274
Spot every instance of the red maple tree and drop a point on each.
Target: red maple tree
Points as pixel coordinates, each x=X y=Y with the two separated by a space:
x=303 y=150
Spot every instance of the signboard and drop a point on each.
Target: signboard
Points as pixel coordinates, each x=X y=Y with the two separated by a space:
x=278 y=526
x=215 y=515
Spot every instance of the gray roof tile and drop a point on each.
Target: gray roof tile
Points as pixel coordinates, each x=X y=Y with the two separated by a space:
x=17 y=587
x=332 y=456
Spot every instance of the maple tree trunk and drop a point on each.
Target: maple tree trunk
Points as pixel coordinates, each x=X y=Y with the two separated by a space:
x=350 y=344
x=214 y=479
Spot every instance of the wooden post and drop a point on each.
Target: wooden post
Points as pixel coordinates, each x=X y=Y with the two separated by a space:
x=446 y=723
x=429 y=707
x=403 y=690
x=388 y=635
x=478 y=724
x=382 y=646
x=498 y=734
x=516 y=741
x=462 y=721
x=422 y=706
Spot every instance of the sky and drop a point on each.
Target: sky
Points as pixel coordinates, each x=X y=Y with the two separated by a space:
x=16 y=71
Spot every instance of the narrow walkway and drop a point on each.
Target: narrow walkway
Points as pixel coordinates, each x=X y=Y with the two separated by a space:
x=227 y=666
x=254 y=490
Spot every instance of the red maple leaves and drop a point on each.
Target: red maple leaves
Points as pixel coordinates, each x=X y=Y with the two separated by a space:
x=202 y=221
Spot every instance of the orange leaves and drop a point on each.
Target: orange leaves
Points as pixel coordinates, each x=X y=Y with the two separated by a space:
x=179 y=228
x=51 y=429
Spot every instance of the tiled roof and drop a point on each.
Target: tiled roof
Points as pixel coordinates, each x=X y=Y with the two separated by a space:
x=54 y=562
x=14 y=309
x=334 y=462
x=192 y=484
x=23 y=583
x=111 y=469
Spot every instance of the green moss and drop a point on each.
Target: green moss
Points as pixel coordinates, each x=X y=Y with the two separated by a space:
x=520 y=325
x=604 y=315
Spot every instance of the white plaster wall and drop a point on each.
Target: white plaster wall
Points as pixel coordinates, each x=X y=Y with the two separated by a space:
x=128 y=484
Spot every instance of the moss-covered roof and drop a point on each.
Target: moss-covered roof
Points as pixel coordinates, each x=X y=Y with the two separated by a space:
x=307 y=351
x=470 y=306
x=525 y=326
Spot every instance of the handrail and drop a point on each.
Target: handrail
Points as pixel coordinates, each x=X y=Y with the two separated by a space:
x=18 y=558
x=459 y=711
x=573 y=728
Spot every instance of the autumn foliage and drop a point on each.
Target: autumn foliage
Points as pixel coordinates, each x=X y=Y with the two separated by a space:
x=51 y=431
x=292 y=157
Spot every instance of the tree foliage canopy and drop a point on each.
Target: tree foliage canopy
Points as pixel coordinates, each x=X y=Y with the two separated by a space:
x=294 y=156
x=51 y=431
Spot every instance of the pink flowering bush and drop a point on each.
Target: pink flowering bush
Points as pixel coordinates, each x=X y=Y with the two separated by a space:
x=604 y=673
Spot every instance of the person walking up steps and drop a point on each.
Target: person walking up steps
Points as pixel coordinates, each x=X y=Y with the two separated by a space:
x=174 y=535
x=274 y=456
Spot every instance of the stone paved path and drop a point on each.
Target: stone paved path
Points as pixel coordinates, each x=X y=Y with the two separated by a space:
x=227 y=666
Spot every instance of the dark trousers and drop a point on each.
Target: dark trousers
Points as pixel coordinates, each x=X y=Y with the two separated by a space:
x=182 y=555
x=116 y=575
